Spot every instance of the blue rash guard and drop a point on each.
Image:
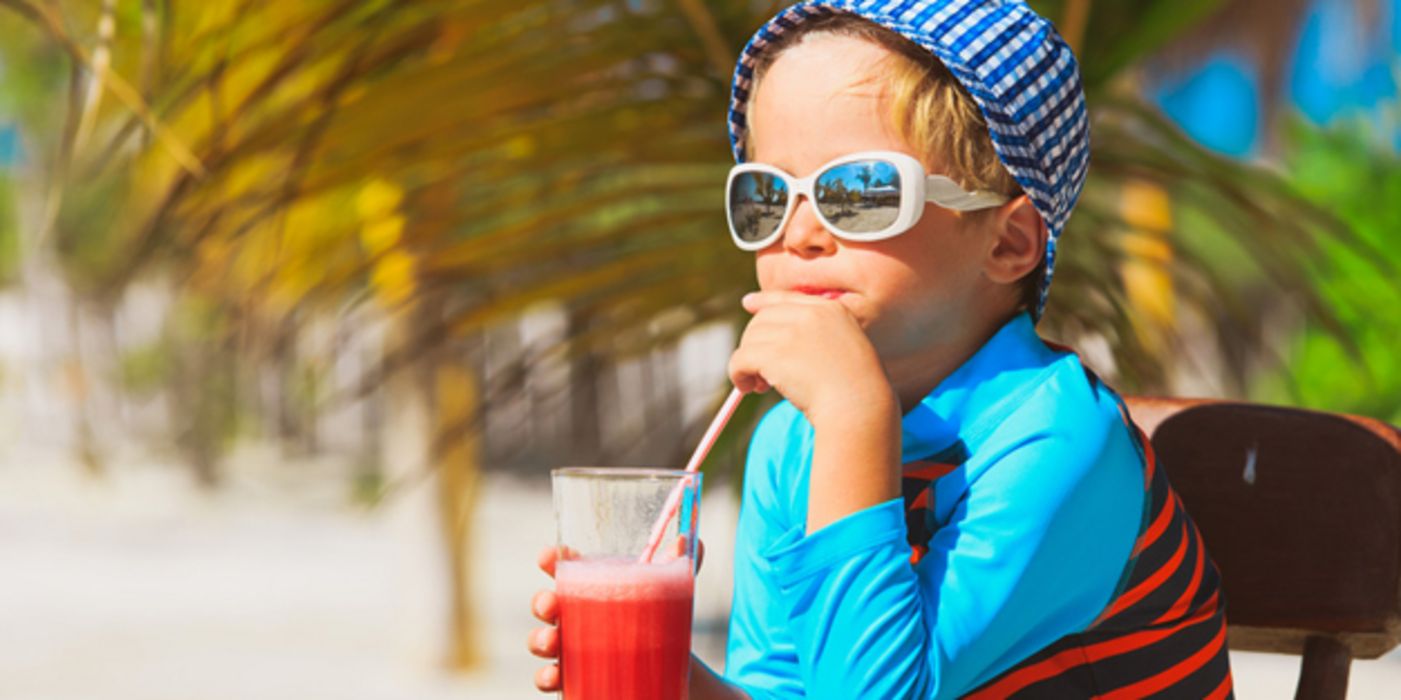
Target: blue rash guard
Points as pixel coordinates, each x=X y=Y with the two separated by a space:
x=1030 y=525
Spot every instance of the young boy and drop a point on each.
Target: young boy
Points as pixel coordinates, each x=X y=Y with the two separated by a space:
x=944 y=505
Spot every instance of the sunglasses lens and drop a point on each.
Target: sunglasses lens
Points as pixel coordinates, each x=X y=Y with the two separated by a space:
x=859 y=197
x=757 y=203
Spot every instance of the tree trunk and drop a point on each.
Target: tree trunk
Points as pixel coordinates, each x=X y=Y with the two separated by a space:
x=585 y=430
x=456 y=455
x=82 y=391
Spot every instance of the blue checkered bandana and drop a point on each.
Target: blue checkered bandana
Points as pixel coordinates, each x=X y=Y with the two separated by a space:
x=1010 y=59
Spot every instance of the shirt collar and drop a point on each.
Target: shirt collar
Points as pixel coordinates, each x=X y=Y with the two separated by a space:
x=1013 y=356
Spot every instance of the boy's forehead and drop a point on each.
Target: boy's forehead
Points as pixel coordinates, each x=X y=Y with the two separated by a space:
x=826 y=66
x=821 y=99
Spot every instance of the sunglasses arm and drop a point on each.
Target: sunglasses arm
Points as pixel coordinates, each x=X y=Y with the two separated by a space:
x=949 y=195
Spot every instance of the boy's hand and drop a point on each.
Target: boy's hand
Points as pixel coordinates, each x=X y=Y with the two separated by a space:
x=544 y=641
x=815 y=353
x=812 y=350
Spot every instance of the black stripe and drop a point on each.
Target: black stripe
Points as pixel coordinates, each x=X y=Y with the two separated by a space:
x=1162 y=597
x=910 y=488
x=1077 y=682
x=1204 y=680
x=1133 y=666
x=1158 y=554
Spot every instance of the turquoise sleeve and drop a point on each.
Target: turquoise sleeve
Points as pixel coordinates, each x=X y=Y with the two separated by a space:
x=760 y=654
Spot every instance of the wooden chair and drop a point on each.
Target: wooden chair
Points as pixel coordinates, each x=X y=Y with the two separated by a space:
x=1302 y=513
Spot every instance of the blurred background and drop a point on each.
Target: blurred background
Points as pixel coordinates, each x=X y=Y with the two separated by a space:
x=301 y=300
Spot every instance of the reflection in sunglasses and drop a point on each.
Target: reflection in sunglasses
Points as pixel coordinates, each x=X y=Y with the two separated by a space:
x=758 y=202
x=860 y=196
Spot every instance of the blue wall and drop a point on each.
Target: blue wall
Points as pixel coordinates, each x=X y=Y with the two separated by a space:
x=1337 y=70
x=9 y=145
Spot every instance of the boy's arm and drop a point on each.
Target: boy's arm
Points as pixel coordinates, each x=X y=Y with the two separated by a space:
x=761 y=655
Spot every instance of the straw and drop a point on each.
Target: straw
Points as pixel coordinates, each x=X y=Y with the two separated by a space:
x=712 y=433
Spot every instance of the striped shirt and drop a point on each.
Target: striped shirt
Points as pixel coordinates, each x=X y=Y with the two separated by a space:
x=1164 y=635
x=1038 y=551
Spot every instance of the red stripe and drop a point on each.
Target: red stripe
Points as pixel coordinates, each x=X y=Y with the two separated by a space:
x=1179 y=608
x=1072 y=658
x=917 y=552
x=1035 y=673
x=1133 y=642
x=1153 y=684
x=1152 y=582
x=1160 y=523
x=928 y=471
x=921 y=501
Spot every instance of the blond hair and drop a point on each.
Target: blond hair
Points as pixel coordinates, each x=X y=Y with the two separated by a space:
x=930 y=110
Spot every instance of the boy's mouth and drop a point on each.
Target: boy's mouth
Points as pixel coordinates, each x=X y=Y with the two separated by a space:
x=826 y=292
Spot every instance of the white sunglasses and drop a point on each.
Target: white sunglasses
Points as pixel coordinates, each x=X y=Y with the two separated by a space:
x=866 y=196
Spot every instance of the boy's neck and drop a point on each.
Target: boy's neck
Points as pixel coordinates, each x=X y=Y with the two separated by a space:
x=915 y=375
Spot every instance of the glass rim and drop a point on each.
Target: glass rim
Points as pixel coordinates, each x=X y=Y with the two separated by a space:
x=622 y=472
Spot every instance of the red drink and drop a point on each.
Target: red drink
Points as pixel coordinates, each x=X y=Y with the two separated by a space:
x=625 y=629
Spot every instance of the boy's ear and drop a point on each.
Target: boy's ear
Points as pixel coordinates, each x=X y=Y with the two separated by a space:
x=1018 y=242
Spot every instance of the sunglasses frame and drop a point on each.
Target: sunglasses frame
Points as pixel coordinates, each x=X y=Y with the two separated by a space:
x=916 y=188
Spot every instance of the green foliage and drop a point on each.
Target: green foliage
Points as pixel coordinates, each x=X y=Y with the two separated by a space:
x=88 y=231
x=9 y=231
x=34 y=73
x=1344 y=169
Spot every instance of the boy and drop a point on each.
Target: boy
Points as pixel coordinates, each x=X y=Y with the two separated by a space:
x=943 y=505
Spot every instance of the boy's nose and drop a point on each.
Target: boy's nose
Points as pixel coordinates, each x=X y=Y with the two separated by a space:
x=805 y=235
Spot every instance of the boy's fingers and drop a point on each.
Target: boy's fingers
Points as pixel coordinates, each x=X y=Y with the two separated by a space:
x=544 y=642
x=547 y=679
x=547 y=561
x=755 y=301
x=545 y=606
x=700 y=550
x=744 y=374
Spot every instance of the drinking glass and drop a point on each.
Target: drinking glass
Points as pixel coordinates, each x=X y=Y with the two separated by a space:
x=624 y=612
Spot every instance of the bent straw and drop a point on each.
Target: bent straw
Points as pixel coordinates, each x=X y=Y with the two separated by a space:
x=712 y=433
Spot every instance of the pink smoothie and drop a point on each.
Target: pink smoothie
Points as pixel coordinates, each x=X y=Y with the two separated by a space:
x=625 y=629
